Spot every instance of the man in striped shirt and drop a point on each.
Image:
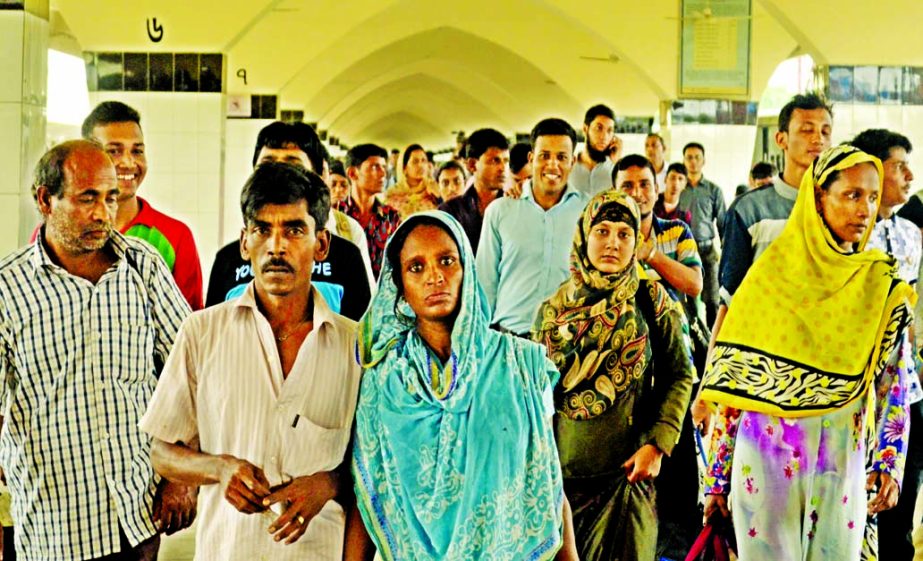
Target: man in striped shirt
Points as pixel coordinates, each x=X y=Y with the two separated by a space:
x=85 y=316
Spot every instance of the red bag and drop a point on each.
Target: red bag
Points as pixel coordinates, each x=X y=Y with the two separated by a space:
x=715 y=543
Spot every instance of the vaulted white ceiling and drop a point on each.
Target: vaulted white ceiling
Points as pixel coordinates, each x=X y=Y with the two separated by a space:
x=400 y=71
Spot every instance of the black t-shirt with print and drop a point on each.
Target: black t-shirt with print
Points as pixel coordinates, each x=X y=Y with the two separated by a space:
x=341 y=278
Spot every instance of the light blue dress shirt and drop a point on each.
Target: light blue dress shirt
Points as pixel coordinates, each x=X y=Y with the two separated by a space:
x=523 y=255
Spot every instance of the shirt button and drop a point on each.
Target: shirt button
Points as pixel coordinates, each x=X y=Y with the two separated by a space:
x=104 y=435
x=272 y=459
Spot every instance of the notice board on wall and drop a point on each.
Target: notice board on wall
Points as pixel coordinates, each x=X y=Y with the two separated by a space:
x=715 y=48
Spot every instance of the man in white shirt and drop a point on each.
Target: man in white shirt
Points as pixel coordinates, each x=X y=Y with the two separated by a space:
x=256 y=401
x=592 y=169
x=655 y=149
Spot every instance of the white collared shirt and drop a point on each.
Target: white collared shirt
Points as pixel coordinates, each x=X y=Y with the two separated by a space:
x=223 y=383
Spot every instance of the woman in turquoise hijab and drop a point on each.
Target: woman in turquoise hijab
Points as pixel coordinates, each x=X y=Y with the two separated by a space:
x=454 y=455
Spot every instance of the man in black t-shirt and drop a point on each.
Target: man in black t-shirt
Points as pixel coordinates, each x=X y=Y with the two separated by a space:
x=340 y=278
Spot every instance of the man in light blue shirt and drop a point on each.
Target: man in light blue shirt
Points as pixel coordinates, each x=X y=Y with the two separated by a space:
x=525 y=243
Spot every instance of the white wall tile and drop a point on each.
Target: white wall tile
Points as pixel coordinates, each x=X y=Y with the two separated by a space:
x=185 y=112
x=632 y=143
x=159 y=151
x=184 y=148
x=35 y=60
x=12 y=30
x=209 y=112
x=865 y=117
x=208 y=193
x=208 y=151
x=159 y=113
x=9 y=223
x=10 y=146
x=32 y=140
x=184 y=195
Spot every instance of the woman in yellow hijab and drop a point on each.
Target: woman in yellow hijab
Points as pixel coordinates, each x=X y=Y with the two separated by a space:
x=417 y=190
x=806 y=368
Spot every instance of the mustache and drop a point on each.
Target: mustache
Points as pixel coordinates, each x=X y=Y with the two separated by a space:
x=105 y=227
x=277 y=263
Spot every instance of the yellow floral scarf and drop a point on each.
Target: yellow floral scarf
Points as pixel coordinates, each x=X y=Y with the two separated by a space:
x=811 y=324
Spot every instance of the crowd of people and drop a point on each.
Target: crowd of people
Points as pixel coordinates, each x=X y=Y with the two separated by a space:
x=525 y=352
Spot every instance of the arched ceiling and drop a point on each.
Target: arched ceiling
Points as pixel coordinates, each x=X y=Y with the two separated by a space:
x=401 y=71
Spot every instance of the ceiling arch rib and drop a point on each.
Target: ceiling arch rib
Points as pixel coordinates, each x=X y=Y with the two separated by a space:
x=494 y=76
x=465 y=78
x=402 y=128
x=438 y=101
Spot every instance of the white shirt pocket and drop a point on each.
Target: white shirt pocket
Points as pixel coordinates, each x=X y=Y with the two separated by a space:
x=308 y=448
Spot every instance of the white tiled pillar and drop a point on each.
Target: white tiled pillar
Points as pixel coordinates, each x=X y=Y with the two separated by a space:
x=184 y=141
x=23 y=78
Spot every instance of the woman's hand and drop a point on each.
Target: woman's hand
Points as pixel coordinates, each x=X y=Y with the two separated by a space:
x=715 y=505
x=644 y=464
x=888 y=492
x=702 y=416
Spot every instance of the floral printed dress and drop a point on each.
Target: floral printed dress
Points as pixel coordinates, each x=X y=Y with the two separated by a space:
x=797 y=485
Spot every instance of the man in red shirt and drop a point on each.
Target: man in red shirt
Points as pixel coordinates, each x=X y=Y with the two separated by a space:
x=118 y=128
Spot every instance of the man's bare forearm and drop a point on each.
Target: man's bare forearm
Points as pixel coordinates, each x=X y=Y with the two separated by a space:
x=185 y=464
x=683 y=278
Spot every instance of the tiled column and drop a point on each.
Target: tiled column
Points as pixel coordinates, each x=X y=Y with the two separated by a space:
x=23 y=81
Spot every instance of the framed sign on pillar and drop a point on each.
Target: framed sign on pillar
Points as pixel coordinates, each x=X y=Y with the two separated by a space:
x=715 y=48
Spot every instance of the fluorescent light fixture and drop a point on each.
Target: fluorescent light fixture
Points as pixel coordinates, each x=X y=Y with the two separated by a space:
x=68 y=97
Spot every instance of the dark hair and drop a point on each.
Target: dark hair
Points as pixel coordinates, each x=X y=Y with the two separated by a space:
x=430 y=156
x=362 y=152
x=281 y=135
x=806 y=102
x=450 y=164
x=395 y=152
x=678 y=167
x=108 y=112
x=879 y=142
x=693 y=145
x=762 y=170
x=49 y=171
x=658 y=137
x=553 y=127
x=407 y=152
x=599 y=110
x=482 y=140
x=337 y=168
x=396 y=244
x=519 y=156
x=633 y=161
x=834 y=175
x=277 y=183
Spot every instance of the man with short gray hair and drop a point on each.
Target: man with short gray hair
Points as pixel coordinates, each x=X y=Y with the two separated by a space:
x=87 y=316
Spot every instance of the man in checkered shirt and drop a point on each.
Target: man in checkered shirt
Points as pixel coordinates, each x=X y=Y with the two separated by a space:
x=86 y=315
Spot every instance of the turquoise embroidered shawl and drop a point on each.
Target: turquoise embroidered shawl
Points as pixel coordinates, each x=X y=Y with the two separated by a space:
x=474 y=475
